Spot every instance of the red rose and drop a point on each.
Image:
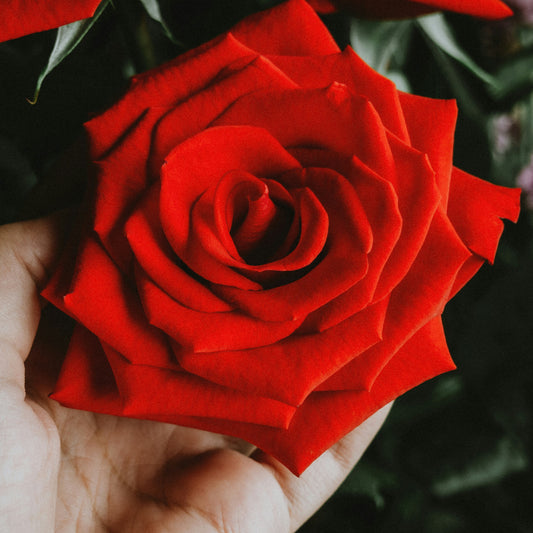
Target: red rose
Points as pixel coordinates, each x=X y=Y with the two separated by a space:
x=20 y=17
x=275 y=231
x=491 y=9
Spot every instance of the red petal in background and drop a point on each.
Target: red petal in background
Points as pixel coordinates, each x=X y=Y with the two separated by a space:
x=491 y=9
x=20 y=17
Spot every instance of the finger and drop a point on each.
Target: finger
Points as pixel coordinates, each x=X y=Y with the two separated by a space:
x=27 y=252
x=306 y=494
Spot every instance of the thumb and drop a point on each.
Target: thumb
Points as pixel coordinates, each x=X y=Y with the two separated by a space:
x=28 y=251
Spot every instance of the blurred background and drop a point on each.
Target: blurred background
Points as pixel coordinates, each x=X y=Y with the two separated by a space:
x=455 y=453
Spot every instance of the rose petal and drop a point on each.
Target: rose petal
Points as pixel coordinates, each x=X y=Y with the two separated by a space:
x=476 y=208
x=270 y=371
x=148 y=391
x=431 y=125
x=86 y=380
x=418 y=199
x=95 y=377
x=420 y=296
x=272 y=31
x=121 y=180
x=380 y=204
x=326 y=417
x=332 y=118
x=20 y=17
x=209 y=231
x=197 y=164
x=231 y=330
x=157 y=259
x=491 y=9
x=316 y=72
x=101 y=299
x=164 y=87
x=344 y=263
x=195 y=113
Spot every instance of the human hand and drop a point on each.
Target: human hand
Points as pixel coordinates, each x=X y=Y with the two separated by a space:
x=74 y=471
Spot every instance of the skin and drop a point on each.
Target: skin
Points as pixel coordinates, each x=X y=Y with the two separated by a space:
x=73 y=471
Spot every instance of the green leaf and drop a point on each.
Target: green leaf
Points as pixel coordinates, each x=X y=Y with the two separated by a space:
x=68 y=37
x=380 y=44
x=152 y=8
x=369 y=480
x=461 y=89
x=439 y=32
x=506 y=458
x=514 y=77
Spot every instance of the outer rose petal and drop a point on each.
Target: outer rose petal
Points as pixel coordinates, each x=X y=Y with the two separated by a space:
x=491 y=9
x=476 y=209
x=317 y=424
x=120 y=184
x=292 y=29
x=410 y=308
x=20 y=17
x=97 y=373
x=103 y=300
x=315 y=72
x=270 y=371
x=431 y=126
x=164 y=87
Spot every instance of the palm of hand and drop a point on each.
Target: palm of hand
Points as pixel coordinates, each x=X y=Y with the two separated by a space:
x=119 y=474
x=72 y=471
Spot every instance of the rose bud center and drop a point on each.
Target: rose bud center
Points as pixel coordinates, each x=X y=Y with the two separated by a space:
x=261 y=223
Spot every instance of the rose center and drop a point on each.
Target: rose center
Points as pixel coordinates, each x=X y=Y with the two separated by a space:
x=260 y=215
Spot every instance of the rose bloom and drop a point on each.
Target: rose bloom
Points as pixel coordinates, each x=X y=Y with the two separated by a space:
x=491 y=9
x=271 y=237
x=20 y=17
